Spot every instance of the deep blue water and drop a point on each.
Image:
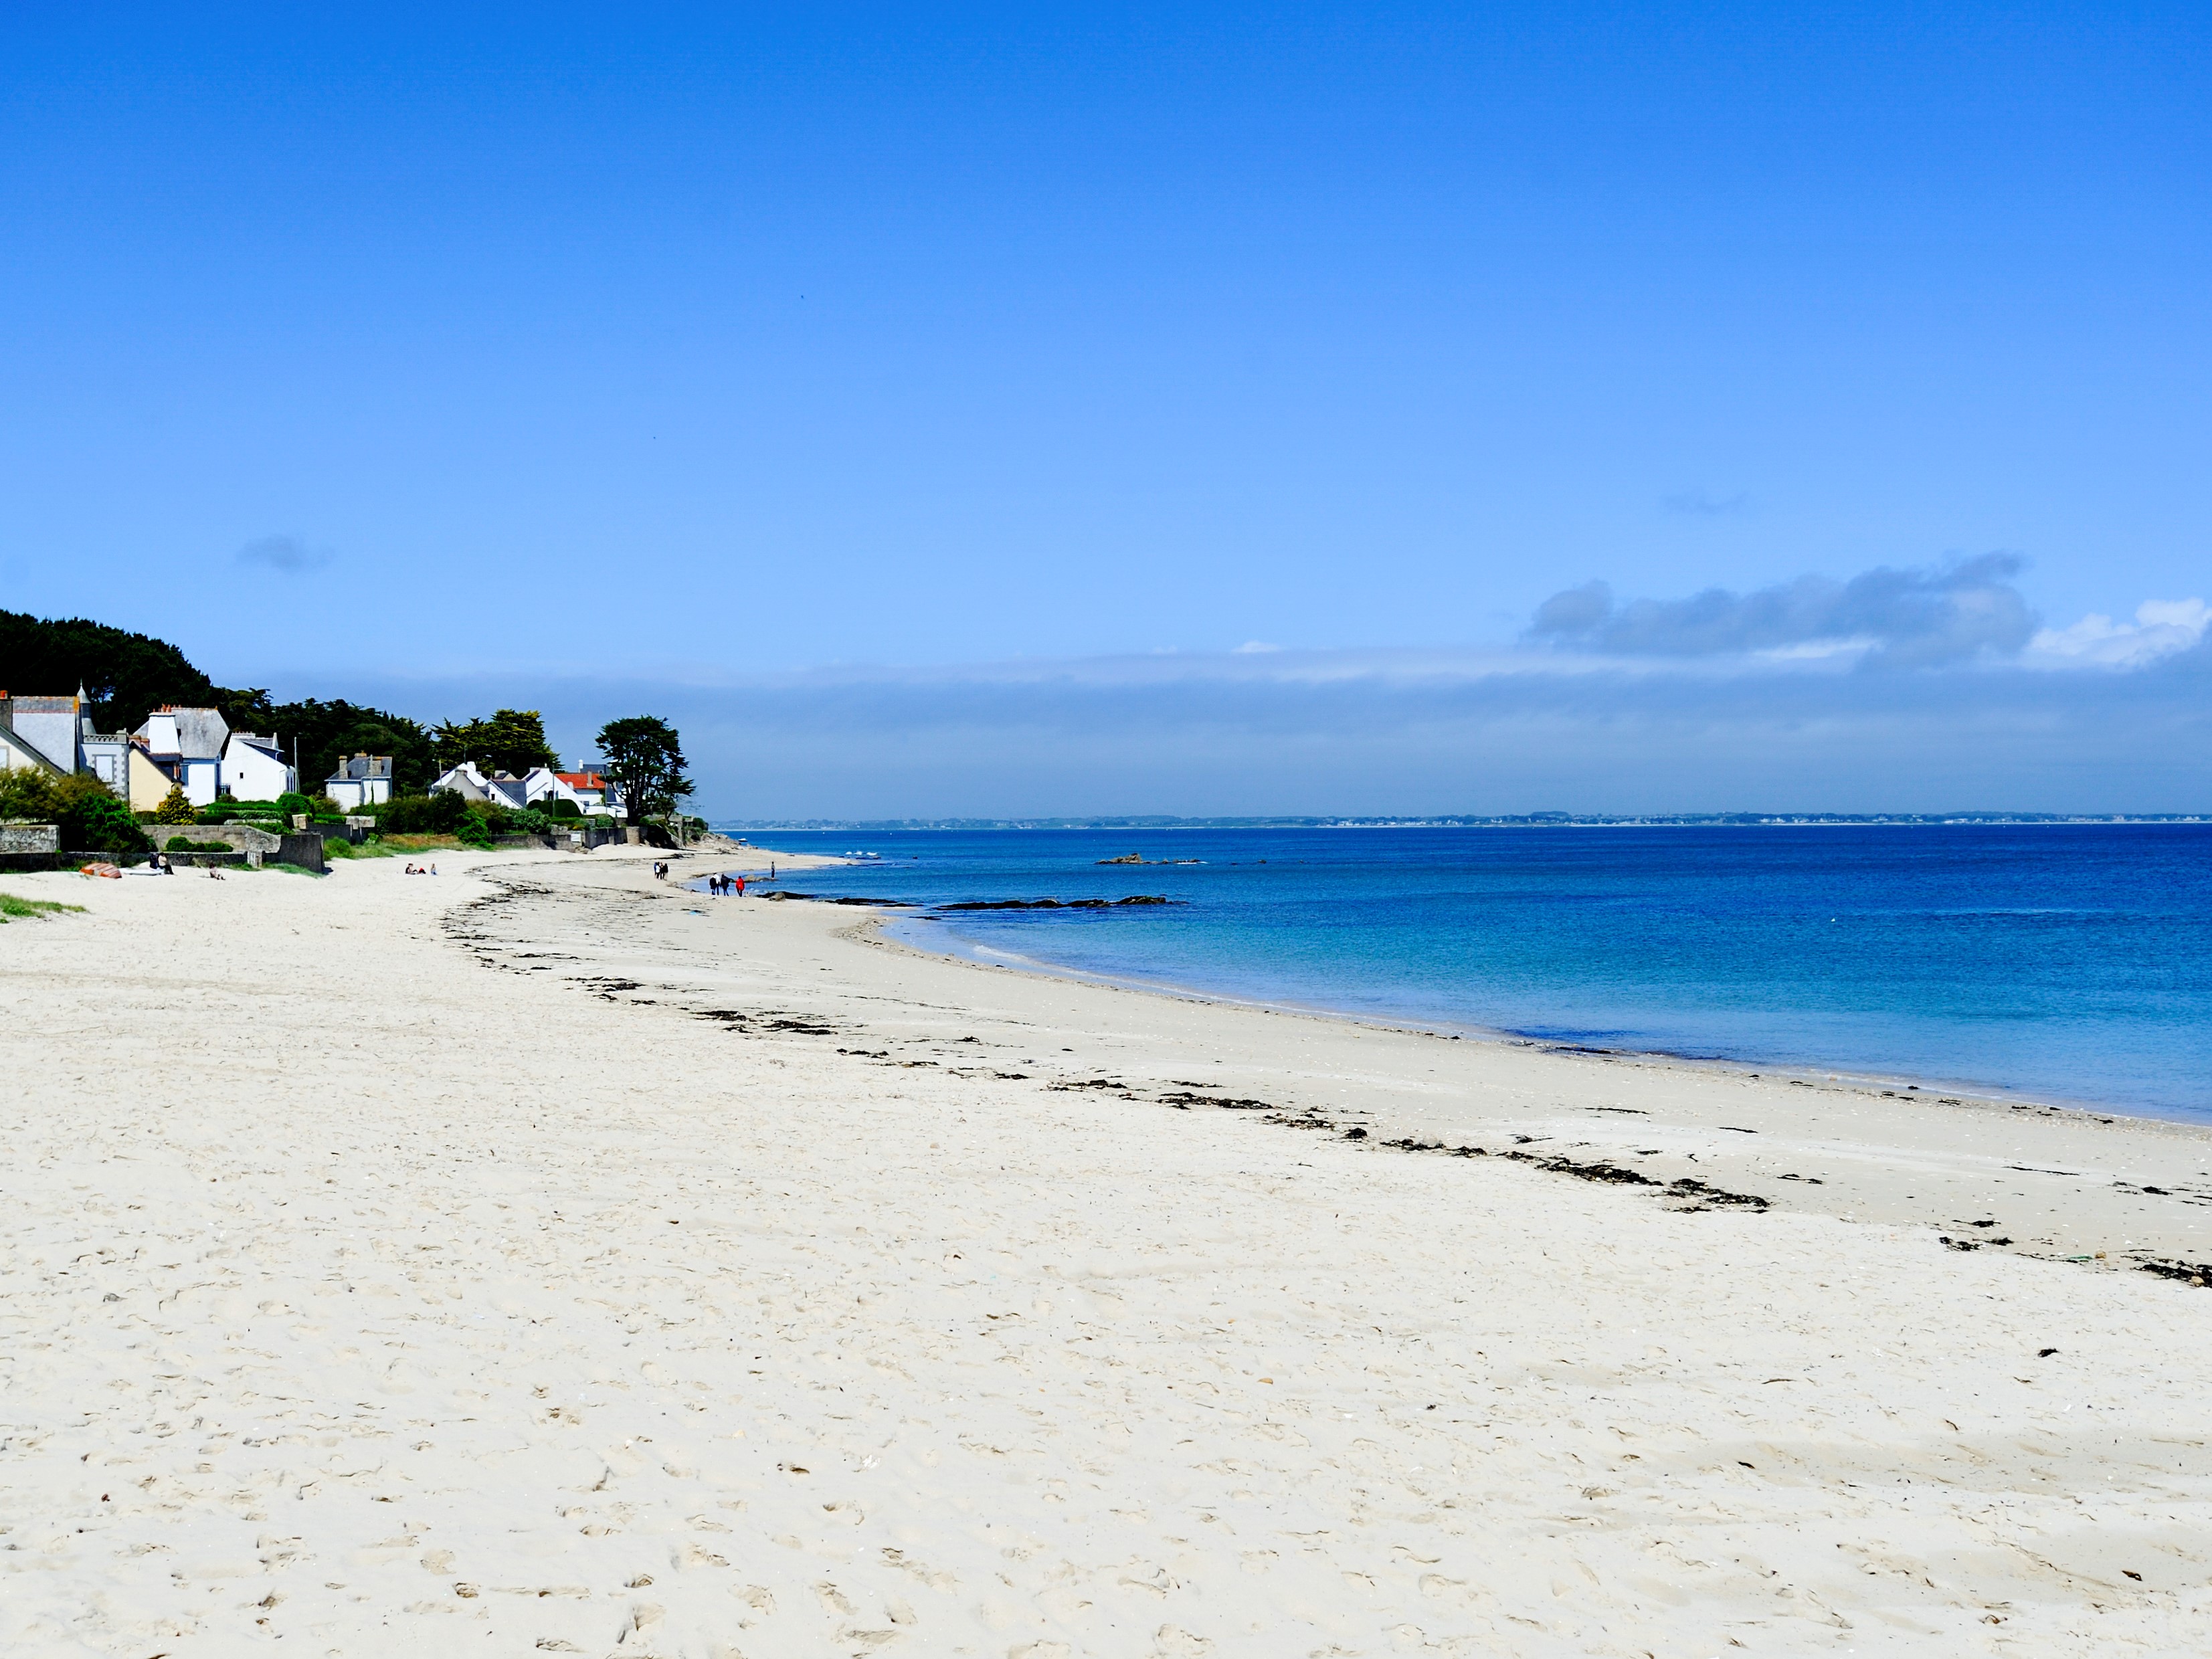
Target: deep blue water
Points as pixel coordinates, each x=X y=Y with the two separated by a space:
x=2061 y=962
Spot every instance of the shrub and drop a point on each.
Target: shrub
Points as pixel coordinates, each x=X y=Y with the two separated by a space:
x=291 y=804
x=186 y=844
x=91 y=820
x=174 y=808
x=560 y=807
x=27 y=792
x=422 y=815
x=94 y=821
x=506 y=821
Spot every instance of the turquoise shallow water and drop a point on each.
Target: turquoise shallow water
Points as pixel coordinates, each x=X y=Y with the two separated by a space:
x=2061 y=962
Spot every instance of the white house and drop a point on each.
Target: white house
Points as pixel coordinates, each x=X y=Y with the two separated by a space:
x=468 y=783
x=57 y=733
x=536 y=787
x=179 y=745
x=590 y=791
x=27 y=745
x=254 y=769
x=361 y=781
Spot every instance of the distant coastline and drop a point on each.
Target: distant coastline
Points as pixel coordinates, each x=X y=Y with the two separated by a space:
x=1469 y=820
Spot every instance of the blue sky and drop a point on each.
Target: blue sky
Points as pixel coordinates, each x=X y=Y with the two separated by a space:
x=847 y=379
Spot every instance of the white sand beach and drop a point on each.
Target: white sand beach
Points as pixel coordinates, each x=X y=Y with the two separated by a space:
x=541 y=1258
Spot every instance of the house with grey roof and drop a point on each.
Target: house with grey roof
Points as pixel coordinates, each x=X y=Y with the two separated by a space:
x=361 y=781
x=57 y=734
x=177 y=746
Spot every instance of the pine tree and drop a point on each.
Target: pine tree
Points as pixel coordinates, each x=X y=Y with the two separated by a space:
x=174 y=808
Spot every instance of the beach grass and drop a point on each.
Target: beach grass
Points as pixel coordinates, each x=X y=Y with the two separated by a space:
x=421 y=844
x=336 y=848
x=13 y=908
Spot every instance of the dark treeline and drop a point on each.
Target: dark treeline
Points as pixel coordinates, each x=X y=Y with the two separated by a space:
x=127 y=676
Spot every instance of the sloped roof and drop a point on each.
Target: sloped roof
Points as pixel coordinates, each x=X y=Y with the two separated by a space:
x=16 y=740
x=201 y=733
x=464 y=780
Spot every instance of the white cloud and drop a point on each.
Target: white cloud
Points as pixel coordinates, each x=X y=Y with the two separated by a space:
x=1959 y=611
x=2161 y=628
x=1414 y=732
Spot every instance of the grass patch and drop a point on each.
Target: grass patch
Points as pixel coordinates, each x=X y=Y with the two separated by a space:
x=13 y=908
x=334 y=848
x=185 y=844
x=421 y=844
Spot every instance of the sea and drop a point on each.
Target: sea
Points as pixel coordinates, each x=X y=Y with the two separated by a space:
x=2067 y=964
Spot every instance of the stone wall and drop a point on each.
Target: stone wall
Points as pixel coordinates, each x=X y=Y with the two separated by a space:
x=17 y=837
x=304 y=849
x=255 y=844
x=242 y=837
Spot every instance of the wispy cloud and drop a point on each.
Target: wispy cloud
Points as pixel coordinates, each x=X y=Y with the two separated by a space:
x=286 y=554
x=1909 y=618
x=2162 y=628
x=1409 y=730
x=1719 y=700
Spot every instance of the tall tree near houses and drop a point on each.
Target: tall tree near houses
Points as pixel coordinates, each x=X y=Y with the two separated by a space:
x=512 y=740
x=645 y=762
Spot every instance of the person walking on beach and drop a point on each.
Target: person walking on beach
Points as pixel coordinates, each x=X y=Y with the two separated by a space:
x=740 y=881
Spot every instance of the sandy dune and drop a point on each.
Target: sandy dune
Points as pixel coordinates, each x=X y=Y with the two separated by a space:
x=549 y=1259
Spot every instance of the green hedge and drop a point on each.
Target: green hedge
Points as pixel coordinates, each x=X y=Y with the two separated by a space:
x=422 y=815
x=186 y=844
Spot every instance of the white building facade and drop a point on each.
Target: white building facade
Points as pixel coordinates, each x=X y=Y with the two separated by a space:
x=57 y=734
x=361 y=781
x=254 y=769
x=184 y=747
x=539 y=787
